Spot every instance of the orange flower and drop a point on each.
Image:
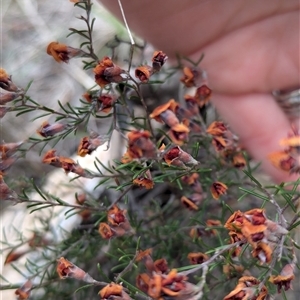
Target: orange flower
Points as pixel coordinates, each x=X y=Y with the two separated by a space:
x=158 y=60
x=89 y=144
x=23 y=292
x=247 y=289
x=116 y=216
x=197 y=258
x=235 y=221
x=217 y=189
x=161 y=266
x=143 y=73
x=49 y=130
x=113 y=291
x=189 y=76
x=192 y=201
x=263 y=252
x=106 y=231
x=142 y=282
x=107 y=72
x=239 y=161
x=140 y=145
x=6 y=82
x=62 y=52
x=283 y=280
x=147 y=183
x=256 y=216
x=284 y=161
x=177 y=157
x=68 y=164
x=202 y=95
x=66 y=269
x=155 y=285
x=179 y=134
x=219 y=143
x=216 y=128
x=165 y=113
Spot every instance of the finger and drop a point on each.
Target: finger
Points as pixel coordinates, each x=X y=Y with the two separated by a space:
x=260 y=124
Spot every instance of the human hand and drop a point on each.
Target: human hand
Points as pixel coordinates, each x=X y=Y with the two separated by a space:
x=251 y=48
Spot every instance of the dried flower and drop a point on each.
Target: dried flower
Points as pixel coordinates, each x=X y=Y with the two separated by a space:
x=246 y=289
x=179 y=134
x=139 y=146
x=192 y=202
x=107 y=72
x=219 y=143
x=202 y=95
x=143 y=73
x=89 y=144
x=113 y=291
x=68 y=164
x=142 y=282
x=62 y=52
x=263 y=252
x=217 y=128
x=144 y=182
x=197 y=258
x=283 y=280
x=106 y=231
x=158 y=60
x=116 y=216
x=49 y=130
x=161 y=266
x=66 y=269
x=190 y=76
x=217 y=189
x=6 y=83
x=23 y=292
x=177 y=157
x=165 y=113
x=284 y=161
x=235 y=221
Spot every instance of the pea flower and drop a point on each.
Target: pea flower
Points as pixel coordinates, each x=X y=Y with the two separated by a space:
x=217 y=189
x=62 y=53
x=66 y=269
x=47 y=129
x=113 y=291
x=158 y=60
x=107 y=72
x=283 y=280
